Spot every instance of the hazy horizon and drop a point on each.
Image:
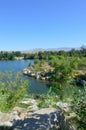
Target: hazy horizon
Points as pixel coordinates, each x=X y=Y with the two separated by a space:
x=46 y=49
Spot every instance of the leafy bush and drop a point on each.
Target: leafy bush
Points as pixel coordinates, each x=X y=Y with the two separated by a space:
x=47 y=101
x=79 y=103
x=12 y=89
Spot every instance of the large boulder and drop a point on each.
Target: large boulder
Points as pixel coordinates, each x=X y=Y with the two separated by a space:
x=43 y=119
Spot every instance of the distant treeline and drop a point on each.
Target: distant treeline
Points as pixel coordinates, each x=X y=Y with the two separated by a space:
x=9 y=55
x=42 y=54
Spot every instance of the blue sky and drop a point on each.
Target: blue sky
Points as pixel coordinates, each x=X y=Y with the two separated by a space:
x=32 y=24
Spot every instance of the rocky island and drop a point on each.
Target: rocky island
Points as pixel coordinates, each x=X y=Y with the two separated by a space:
x=41 y=72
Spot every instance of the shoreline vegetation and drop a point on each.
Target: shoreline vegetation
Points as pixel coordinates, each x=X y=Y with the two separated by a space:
x=42 y=54
x=63 y=70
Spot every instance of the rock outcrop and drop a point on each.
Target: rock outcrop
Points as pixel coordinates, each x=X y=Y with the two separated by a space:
x=43 y=74
x=43 y=119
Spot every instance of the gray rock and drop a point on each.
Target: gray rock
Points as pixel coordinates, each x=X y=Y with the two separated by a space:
x=43 y=119
x=63 y=106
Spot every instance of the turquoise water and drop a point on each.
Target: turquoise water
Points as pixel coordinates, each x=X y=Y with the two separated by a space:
x=35 y=86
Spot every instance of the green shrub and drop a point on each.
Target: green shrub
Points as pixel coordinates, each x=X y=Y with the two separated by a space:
x=79 y=105
x=48 y=101
x=12 y=89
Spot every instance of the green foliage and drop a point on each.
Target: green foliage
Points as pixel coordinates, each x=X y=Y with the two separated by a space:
x=47 y=101
x=10 y=55
x=59 y=90
x=79 y=106
x=45 y=55
x=12 y=89
x=64 y=70
x=36 y=61
x=23 y=105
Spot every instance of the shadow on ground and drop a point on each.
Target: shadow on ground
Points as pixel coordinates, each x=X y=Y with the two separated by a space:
x=5 y=128
x=52 y=121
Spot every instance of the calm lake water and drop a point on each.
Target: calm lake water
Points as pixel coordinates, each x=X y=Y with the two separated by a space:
x=35 y=86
